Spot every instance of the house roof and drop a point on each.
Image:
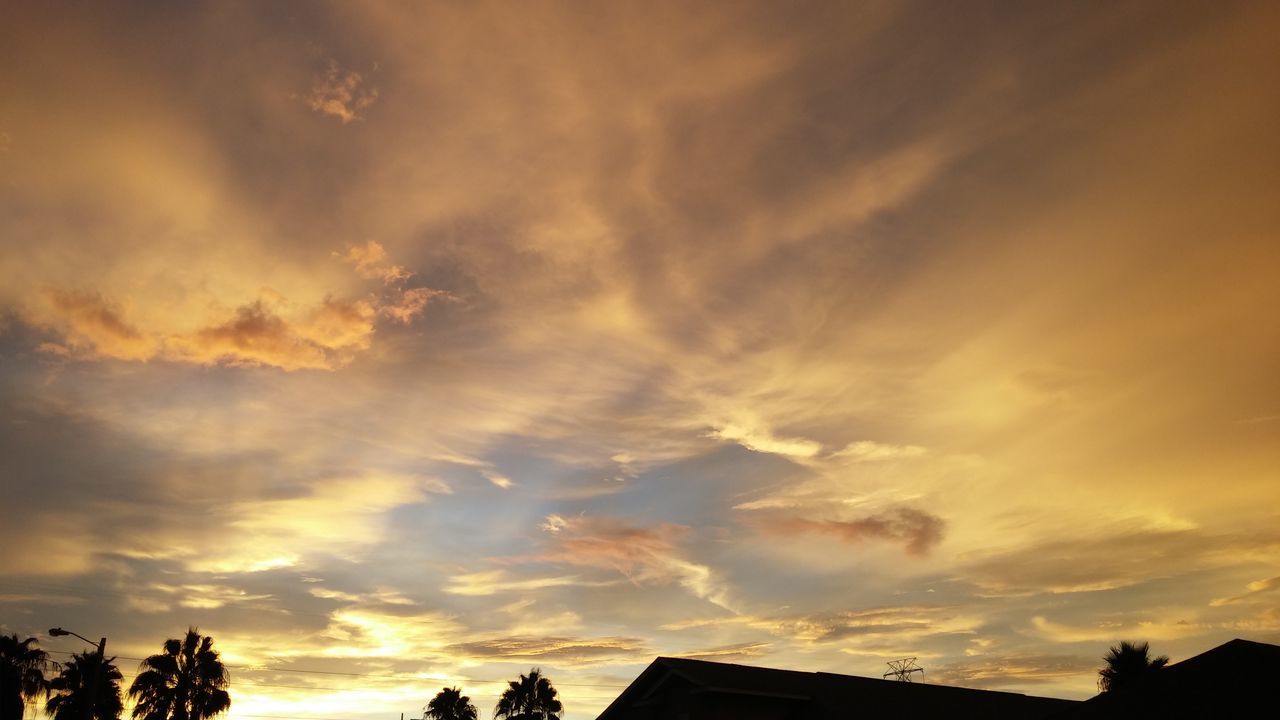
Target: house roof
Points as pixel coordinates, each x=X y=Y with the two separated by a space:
x=1229 y=679
x=829 y=694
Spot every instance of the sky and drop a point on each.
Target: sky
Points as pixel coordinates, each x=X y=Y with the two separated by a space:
x=404 y=345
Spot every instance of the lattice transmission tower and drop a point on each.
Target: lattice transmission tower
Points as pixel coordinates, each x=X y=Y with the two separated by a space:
x=902 y=669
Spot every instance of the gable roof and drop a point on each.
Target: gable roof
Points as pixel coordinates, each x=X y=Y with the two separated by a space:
x=829 y=694
x=1231 y=678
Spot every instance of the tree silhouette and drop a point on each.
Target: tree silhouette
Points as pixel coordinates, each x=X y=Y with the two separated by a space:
x=1128 y=665
x=187 y=681
x=86 y=680
x=450 y=704
x=529 y=698
x=22 y=667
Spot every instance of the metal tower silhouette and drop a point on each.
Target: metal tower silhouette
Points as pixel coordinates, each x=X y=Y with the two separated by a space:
x=902 y=669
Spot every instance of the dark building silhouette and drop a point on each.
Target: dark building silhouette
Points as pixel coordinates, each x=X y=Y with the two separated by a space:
x=682 y=689
x=1238 y=679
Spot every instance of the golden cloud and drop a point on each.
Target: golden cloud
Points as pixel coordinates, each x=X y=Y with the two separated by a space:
x=1255 y=588
x=871 y=451
x=765 y=442
x=1113 y=558
x=340 y=516
x=492 y=582
x=1170 y=627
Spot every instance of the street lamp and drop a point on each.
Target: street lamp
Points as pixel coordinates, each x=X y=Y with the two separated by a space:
x=96 y=680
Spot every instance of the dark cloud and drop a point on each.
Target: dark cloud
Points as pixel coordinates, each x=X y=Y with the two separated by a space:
x=736 y=652
x=918 y=531
x=565 y=650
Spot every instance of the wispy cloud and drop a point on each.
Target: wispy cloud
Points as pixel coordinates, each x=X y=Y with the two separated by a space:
x=736 y=652
x=341 y=516
x=643 y=554
x=491 y=582
x=569 y=651
x=1112 y=558
x=1005 y=670
x=1109 y=631
x=850 y=627
x=871 y=451
x=764 y=441
x=1255 y=589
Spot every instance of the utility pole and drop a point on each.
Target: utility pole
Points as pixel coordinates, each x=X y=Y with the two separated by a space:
x=95 y=682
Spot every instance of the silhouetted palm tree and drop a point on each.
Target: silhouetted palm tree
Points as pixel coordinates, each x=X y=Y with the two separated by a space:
x=22 y=667
x=1128 y=664
x=450 y=704
x=76 y=684
x=185 y=682
x=529 y=698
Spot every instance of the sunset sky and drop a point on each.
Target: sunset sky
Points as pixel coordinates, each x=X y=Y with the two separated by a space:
x=402 y=345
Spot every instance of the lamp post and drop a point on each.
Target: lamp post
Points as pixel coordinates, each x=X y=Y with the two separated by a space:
x=96 y=680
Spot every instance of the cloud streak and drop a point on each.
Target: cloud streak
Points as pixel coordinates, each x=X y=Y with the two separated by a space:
x=642 y=554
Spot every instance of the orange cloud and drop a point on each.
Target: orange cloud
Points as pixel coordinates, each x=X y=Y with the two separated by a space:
x=327 y=338
x=340 y=93
x=917 y=530
x=255 y=336
x=258 y=333
x=411 y=303
x=92 y=325
x=370 y=261
x=341 y=325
